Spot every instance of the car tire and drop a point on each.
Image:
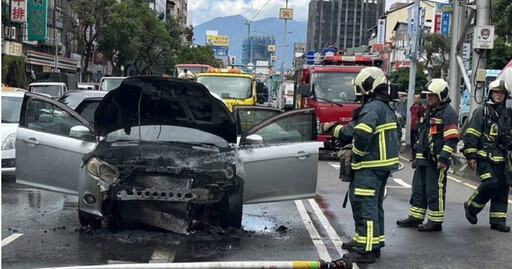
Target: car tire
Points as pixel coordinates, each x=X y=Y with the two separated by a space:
x=232 y=213
x=86 y=220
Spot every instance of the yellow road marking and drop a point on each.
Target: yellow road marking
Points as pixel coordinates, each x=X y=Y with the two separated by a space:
x=454 y=179
x=469 y=185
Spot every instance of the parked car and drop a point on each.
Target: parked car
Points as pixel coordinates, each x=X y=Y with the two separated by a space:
x=88 y=86
x=84 y=102
x=6 y=88
x=53 y=89
x=164 y=152
x=11 y=107
x=110 y=83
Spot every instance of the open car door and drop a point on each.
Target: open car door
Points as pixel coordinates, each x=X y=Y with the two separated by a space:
x=48 y=150
x=280 y=158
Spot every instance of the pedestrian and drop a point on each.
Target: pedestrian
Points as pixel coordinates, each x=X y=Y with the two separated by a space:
x=437 y=138
x=417 y=110
x=373 y=133
x=486 y=143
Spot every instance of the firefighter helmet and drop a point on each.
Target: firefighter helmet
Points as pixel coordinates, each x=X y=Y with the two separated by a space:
x=499 y=85
x=438 y=87
x=368 y=79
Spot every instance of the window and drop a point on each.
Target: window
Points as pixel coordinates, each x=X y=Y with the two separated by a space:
x=46 y=117
x=293 y=129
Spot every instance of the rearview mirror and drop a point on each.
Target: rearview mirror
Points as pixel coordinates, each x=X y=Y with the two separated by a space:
x=253 y=139
x=79 y=131
x=305 y=90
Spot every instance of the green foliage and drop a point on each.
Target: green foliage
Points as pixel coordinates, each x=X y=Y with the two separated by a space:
x=13 y=71
x=437 y=49
x=191 y=55
x=6 y=13
x=500 y=55
x=400 y=77
x=502 y=19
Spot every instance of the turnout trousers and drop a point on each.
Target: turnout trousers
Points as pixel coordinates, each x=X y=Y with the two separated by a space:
x=428 y=192
x=493 y=187
x=366 y=197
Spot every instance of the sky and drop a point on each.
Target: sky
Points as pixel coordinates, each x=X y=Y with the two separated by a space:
x=204 y=10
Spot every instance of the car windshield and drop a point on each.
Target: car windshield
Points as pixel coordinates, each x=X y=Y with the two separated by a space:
x=73 y=100
x=228 y=87
x=166 y=133
x=334 y=87
x=110 y=84
x=52 y=90
x=11 y=107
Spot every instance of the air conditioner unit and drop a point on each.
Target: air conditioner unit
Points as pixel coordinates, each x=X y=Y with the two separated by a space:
x=13 y=33
x=7 y=31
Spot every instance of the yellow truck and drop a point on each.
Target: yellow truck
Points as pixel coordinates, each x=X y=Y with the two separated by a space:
x=233 y=86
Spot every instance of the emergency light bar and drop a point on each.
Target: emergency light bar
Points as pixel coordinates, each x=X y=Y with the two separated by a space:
x=351 y=60
x=225 y=70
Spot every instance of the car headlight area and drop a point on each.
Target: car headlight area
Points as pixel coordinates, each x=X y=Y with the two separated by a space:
x=103 y=172
x=10 y=142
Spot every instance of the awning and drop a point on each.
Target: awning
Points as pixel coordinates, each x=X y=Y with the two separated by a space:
x=38 y=58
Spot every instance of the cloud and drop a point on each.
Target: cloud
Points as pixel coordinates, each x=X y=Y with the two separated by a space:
x=204 y=10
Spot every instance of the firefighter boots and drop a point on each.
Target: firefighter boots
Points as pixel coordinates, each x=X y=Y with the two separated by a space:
x=470 y=216
x=349 y=246
x=430 y=227
x=409 y=222
x=361 y=257
x=501 y=228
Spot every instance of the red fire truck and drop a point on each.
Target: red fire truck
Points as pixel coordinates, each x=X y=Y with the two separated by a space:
x=327 y=87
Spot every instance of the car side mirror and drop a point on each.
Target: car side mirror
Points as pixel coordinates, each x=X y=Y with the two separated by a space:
x=80 y=131
x=253 y=139
x=305 y=90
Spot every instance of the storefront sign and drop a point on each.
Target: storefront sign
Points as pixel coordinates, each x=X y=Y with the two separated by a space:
x=38 y=58
x=37 y=19
x=381 y=31
x=12 y=48
x=19 y=11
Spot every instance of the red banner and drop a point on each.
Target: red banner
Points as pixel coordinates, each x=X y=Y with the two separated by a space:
x=437 y=24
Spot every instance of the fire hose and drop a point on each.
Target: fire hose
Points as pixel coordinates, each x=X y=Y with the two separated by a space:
x=320 y=264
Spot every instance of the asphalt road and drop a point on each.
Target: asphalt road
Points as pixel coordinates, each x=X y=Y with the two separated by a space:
x=41 y=229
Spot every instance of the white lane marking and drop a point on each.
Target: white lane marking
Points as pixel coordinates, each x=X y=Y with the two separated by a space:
x=10 y=238
x=335 y=165
x=313 y=233
x=454 y=179
x=330 y=230
x=162 y=256
x=405 y=159
x=401 y=182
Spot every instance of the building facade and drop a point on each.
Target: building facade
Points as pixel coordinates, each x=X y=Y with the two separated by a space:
x=256 y=49
x=342 y=23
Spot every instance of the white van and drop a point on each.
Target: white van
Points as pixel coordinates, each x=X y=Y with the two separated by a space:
x=51 y=89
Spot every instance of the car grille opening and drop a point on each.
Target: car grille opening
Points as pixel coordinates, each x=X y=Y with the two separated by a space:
x=8 y=163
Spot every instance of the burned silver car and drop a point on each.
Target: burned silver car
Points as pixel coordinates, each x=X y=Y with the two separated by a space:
x=164 y=152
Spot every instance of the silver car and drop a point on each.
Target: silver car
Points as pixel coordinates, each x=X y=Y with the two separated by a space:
x=11 y=106
x=164 y=152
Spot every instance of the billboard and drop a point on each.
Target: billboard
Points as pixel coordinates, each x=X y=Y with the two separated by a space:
x=217 y=41
x=220 y=50
x=37 y=19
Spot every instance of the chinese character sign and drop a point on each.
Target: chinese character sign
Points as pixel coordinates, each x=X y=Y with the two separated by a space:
x=37 y=16
x=19 y=10
x=445 y=23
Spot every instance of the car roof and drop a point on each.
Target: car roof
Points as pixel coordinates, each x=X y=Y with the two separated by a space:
x=47 y=83
x=103 y=78
x=14 y=93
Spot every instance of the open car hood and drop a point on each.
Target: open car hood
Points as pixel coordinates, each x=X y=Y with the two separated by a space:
x=163 y=101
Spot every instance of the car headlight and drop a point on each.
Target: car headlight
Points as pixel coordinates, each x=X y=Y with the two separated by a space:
x=104 y=171
x=10 y=142
x=229 y=172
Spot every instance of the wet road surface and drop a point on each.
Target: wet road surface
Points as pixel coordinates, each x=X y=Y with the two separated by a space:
x=300 y=230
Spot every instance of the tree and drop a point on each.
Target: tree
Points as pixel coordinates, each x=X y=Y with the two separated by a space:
x=502 y=19
x=437 y=47
x=92 y=15
x=501 y=54
x=400 y=77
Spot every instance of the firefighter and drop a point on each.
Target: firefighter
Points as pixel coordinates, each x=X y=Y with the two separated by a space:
x=438 y=137
x=373 y=132
x=485 y=146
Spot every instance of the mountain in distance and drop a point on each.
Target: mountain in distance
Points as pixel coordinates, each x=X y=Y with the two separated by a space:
x=235 y=28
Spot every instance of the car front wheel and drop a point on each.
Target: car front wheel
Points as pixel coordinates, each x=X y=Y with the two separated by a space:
x=86 y=220
x=232 y=204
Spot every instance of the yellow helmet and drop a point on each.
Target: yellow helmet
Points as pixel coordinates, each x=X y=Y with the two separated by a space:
x=368 y=79
x=499 y=85
x=438 y=87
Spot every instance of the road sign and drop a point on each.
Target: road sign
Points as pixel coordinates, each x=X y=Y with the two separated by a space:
x=286 y=13
x=271 y=48
x=483 y=37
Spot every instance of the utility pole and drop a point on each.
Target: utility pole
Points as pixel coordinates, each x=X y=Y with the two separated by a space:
x=479 y=58
x=412 y=72
x=284 y=47
x=454 y=73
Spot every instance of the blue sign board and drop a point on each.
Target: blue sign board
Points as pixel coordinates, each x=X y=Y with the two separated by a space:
x=445 y=23
x=220 y=50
